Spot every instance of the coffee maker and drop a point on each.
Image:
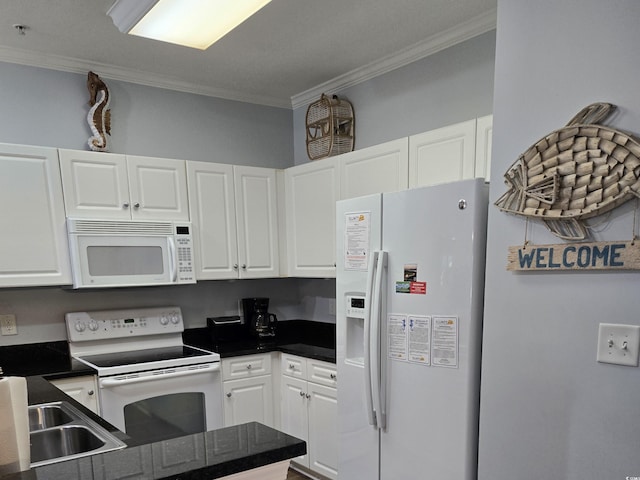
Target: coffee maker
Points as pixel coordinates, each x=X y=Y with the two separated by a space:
x=260 y=322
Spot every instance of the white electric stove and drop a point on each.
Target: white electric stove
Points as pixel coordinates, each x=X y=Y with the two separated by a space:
x=151 y=385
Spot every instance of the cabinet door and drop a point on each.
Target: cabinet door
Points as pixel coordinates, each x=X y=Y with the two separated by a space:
x=158 y=188
x=484 y=135
x=257 y=220
x=82 y=389
x=213 y=215
x=293 y=412
x=95 y=185
x=311 y=193
x=248 y=400
x=323 y=430
x=443 y=155
x=33 y=244
x=378 y=169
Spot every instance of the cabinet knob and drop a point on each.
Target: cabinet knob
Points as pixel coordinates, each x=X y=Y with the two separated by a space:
x=136 y=205
x=244 y=266
x=249 y=367
x=90 y=392
x=302 y=394
x=308 y=396
x=235 y=266
x=229 y=395
x=292 y=366
x=125 y=205
x=333 y=376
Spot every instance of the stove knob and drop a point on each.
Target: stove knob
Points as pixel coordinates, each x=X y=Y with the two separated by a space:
x=164 y=320
x=80 y=327
x=175 y=319
x=93 y=326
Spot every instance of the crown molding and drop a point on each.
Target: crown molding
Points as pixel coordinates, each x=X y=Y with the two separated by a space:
x=436 y=43
x=474 y=27
x=112 y=72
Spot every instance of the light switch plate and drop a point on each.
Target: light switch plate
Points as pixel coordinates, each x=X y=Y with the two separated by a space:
x=618 y=344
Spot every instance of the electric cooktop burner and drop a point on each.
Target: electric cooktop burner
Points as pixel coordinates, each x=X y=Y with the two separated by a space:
x=149 y=355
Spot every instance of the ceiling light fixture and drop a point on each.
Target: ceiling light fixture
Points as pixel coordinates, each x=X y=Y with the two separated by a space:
x=192 y=23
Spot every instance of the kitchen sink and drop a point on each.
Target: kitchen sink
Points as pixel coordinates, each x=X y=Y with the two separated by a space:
x=59 y=431
x=46 y=416
x=62 y=442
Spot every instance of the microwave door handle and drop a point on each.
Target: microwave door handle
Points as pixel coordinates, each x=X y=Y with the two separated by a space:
x=116 y=382
x=173 y=270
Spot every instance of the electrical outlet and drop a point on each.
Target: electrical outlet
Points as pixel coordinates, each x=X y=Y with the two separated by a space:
x=618 y=344
x=8 y=325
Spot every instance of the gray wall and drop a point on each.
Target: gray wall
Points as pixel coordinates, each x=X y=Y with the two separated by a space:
x=548 y=409
x=451 y=86
x=47 y=107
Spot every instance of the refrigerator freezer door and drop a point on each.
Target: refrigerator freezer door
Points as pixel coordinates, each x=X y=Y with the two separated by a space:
x=432 y=411
x=358 y=452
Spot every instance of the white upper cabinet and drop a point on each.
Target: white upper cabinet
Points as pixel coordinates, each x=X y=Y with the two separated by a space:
x=234 y=216
x=111 y=186
x=443 y=155
x=381 y=168
x=257 y=220
x=484 y=135
x=311 y=192
x=33 y=245
x=213 y=217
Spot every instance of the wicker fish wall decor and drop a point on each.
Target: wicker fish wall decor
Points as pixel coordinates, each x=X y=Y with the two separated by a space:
x=575 y=173
x=99 y=116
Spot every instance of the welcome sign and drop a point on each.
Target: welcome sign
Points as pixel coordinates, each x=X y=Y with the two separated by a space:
x=575 y=256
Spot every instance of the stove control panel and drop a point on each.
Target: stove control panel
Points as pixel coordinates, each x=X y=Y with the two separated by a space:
x=110 y=324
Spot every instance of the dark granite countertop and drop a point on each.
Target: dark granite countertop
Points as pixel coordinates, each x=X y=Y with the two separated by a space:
x=309 y=339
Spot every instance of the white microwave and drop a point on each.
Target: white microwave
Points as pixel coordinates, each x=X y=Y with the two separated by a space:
x=113 y=253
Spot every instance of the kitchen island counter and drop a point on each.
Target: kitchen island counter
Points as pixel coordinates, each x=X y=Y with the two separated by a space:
x=208 y=455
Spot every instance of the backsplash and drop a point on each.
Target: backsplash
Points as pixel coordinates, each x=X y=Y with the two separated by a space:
x=40 y=311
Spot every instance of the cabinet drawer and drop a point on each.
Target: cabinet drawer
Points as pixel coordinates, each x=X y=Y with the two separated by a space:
x=293 y=366
x=246 y=366
x=322 y=372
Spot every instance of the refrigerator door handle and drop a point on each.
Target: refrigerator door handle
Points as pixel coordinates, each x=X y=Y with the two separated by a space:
x=377 y=385
x=368 y=392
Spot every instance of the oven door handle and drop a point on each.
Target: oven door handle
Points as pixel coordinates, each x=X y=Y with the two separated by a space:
x=115 y=382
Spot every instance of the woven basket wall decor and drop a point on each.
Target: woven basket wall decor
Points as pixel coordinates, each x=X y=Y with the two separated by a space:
x=330 y=127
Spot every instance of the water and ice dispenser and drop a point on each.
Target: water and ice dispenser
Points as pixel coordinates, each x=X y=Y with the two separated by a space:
x=355 y=329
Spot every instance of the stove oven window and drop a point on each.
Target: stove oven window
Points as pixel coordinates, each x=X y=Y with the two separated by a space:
x=167 y=416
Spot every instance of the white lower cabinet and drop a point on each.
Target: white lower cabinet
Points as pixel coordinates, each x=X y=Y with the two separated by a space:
x=248 y=389
x=83 y=389
x=309 y=410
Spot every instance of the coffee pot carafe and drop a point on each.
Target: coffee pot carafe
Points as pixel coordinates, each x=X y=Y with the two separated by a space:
x=260 y=322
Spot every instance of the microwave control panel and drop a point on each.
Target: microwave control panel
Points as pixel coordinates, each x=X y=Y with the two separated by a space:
x=184 y=255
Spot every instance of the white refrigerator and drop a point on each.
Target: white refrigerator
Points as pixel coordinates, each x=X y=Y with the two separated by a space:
x=410 y=284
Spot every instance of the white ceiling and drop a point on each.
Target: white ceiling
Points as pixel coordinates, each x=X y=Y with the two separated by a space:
x=285 y=55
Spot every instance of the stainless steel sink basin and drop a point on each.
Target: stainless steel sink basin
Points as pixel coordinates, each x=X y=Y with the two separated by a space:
x=47 y=416
x=59 y=432
x=62 y=442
